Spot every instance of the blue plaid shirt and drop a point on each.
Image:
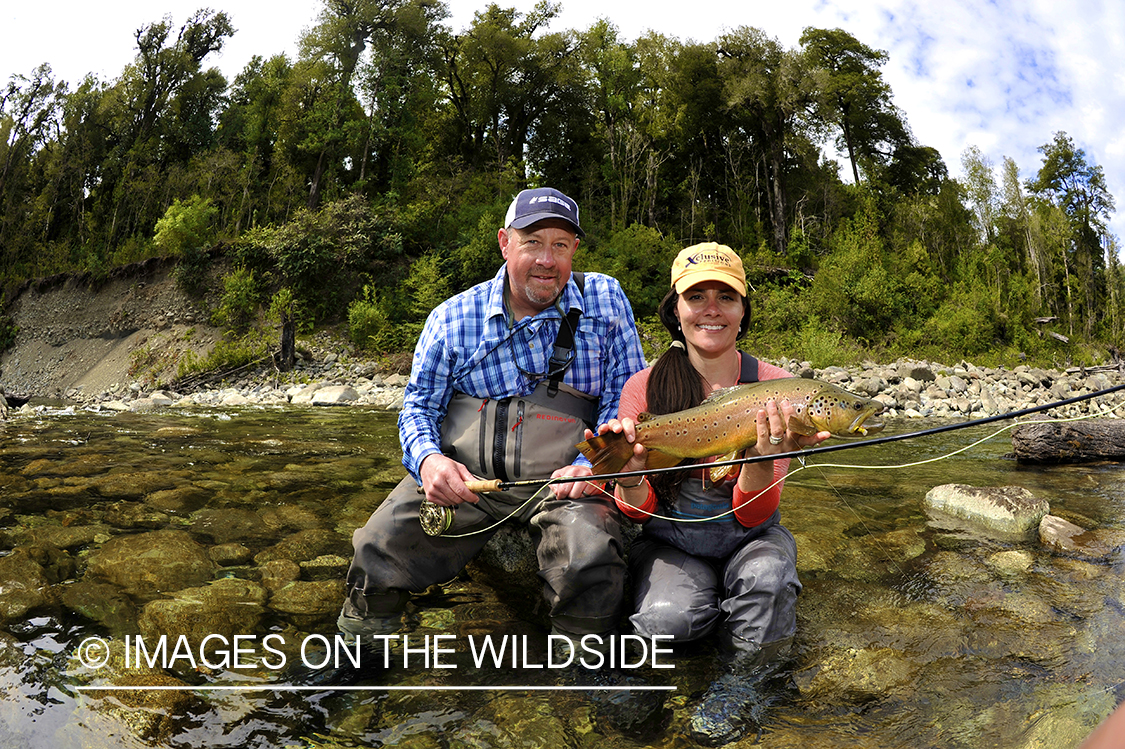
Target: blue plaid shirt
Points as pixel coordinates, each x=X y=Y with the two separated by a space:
x=467 y=346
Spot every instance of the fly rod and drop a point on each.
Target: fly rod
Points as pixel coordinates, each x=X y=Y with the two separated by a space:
x=499 y=485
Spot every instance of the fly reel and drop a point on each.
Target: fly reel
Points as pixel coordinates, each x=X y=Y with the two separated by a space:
x=435 y=519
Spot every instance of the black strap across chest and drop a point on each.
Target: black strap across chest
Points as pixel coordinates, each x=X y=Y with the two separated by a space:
x=749 y=369
x=564 y=341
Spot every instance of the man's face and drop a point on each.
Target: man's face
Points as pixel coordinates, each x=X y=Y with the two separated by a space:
x=539 y=259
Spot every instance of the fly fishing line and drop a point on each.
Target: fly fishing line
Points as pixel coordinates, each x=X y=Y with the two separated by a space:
x=435 y=521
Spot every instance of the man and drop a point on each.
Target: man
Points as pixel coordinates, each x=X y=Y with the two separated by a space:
x=506 y=377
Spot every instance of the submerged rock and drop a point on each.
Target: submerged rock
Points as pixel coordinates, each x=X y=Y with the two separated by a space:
x=153 y=562
x=1064 y=536
x=23 y=585
x=857 y=674
x=226 y=607
x=1006 y=510
x=309 y=605
x=101 y=602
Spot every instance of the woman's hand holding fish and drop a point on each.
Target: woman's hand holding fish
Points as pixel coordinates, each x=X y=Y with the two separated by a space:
x=628 y=428
x=774 y=437
x=771 y=422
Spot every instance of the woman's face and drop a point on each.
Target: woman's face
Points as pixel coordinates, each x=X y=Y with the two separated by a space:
x=710 y=313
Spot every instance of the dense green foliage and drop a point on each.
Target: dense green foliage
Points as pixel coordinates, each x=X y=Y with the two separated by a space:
x=366 y=179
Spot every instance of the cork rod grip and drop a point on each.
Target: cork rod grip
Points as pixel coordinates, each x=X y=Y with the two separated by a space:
x=476 y=487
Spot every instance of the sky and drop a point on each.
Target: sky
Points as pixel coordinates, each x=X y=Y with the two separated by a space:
x=1001 y=75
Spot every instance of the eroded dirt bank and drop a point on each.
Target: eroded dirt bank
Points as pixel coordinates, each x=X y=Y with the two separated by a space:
x=77 y=336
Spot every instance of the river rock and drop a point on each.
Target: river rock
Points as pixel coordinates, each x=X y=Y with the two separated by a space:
x=68 y=536
x=231 y=525
x=327 y=567
x=228 y=555
x=23 y=585
x=226 y=607
x=857 y=674
x=148 y=716
x=101 y=602
x=277 y=573
x=305 y=545
x=132 y=485
x=310 y=605
x=1007 y=510
x=334 y=395
x=1064 y=536
x=153 y=562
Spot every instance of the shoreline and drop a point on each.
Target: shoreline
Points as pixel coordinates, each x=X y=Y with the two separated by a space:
x=907 y=389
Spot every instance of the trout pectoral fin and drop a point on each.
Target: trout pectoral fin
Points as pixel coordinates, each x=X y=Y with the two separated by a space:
x=801 y=426
x=719 y=473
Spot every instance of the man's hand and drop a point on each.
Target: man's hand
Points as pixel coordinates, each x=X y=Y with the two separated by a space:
x=444 y=481
x=575 y=489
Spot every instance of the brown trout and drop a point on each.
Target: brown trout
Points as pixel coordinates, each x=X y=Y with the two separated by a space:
x=724 y=424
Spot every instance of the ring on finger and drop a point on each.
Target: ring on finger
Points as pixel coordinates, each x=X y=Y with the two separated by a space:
x=775 y=440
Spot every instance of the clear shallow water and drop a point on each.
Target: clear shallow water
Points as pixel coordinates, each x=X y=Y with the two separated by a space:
x=911 y=633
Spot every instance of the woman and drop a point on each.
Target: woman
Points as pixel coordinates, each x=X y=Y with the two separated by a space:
x=737 y=571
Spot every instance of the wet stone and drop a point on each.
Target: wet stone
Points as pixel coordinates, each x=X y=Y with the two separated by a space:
x=228 y=555
x=857 y=674
x=23 y=585
x=153 y=562
x=1011 y=562
x=100 y=602
x=132 y=515
x=56 y=564
x=309 y=605
x=1066 y=537
x=179 y=501
x=327 y=567
x=231 y=525
x=132 y=485
x=226 y=607
x=1005 y=510
x=305 y=545
x=292 y=518
x=277 y=573
x=69 y=536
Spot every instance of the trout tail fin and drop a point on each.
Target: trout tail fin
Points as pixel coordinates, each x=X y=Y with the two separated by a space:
x=608 y=452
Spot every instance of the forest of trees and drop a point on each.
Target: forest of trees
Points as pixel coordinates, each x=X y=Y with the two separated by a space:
x=364 y=181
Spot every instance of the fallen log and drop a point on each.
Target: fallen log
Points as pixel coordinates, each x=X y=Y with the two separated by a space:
x=1072 y=442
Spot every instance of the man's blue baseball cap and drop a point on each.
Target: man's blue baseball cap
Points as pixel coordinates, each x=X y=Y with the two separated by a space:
x=541 y=203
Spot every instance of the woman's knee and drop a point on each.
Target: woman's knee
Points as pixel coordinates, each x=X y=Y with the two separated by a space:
x=671 y=619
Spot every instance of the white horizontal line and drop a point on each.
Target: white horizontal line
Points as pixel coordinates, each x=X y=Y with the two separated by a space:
x=283 y=688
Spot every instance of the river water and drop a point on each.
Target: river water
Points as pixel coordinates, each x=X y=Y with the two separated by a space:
x=913 y=631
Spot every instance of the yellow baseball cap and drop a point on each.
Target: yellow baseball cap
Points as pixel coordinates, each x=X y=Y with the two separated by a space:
x=709 y=261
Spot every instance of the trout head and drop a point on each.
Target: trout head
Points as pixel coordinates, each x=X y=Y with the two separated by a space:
x=844 y=414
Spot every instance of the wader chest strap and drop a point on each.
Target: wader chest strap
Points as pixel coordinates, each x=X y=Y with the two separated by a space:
x=564 y=342
x=749 y=369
